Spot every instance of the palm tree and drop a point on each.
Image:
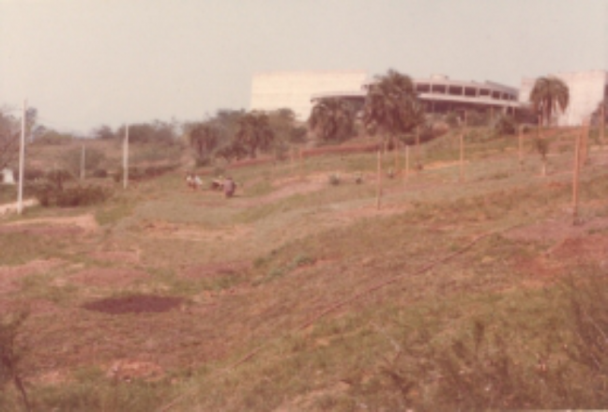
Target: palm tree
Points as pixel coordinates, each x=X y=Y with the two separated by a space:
x=392 y=106
x=254 y=132
x=549 y=96
x=332 y=119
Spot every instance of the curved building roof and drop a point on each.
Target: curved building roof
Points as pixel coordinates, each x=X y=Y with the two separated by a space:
x=441 y=90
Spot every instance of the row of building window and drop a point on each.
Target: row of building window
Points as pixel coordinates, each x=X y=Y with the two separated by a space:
x=463 y=91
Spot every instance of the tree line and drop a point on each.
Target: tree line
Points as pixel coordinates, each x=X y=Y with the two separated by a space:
x=391 y=110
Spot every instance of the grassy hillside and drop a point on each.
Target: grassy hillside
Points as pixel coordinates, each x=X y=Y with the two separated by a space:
x=299 y=294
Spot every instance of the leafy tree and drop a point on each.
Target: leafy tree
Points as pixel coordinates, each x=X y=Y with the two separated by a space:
x=154 y=132
x=254 y=133
x=549 y=96
x=285 y=127
x=332 y=119
x=203 y=139
x=103 y=132
x=392 y=106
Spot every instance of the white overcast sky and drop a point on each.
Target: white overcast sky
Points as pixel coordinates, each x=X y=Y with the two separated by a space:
x=83 y=63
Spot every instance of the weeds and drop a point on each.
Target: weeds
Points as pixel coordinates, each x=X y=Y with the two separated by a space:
x=10 y=354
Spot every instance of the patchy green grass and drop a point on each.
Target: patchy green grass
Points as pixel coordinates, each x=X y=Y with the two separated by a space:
x=329 y=303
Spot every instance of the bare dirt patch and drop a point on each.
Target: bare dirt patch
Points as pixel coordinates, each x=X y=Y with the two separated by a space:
x=215 y=270
x=134 y=304
x=73 y=224
x=557 y=229
x=9 y=275
x=127 y=370
x=117 y=255
x=164 y=229
x=108 y=277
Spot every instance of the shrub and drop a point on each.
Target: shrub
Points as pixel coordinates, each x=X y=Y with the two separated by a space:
x=32 y=174
x=100 y=173
x=505 y=125
x=10 y=355
x=334 y=179
x=49 y=195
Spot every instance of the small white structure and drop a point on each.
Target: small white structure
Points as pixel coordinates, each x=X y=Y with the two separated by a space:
x=8 y=178
x=277 y=90
x=587 y=89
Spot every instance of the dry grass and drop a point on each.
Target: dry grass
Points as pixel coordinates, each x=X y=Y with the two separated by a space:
x=253 y=271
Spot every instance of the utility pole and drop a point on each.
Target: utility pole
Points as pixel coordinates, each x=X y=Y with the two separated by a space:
x=125 y=159
x=21 y=161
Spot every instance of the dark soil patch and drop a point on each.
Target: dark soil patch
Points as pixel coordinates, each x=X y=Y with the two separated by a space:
x=216 y=270
x=134 y=304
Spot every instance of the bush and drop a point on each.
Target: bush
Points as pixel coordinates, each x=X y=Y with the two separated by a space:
x=100 y=173
x=49 y=195
x=138 y=174
x=334 y=179
x=492 y=368
x=30 y=174
x=505 y=125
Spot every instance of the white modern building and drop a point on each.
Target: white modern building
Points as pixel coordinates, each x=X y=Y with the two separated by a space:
x=277 y=90
x=587 y=89
x=440 y=94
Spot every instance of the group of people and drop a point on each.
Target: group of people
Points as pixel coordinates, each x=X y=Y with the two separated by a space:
x=227 y=185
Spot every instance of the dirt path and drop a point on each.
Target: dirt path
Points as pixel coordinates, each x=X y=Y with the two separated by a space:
x=12 y=207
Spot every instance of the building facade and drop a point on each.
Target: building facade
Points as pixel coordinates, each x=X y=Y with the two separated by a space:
x=440 y=94
x=277 y=90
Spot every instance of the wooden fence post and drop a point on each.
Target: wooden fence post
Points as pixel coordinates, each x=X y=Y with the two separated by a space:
x=577 y=150
x=379 y=180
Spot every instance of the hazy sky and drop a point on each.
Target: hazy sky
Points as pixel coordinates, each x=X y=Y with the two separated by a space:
x=84 y=63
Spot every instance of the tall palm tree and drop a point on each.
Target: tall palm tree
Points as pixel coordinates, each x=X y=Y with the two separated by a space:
x=332 y=119
x=254 y=132
x=392 y=106
x=549 y=96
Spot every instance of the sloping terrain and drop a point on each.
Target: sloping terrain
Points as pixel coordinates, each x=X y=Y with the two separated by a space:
x=298 y=294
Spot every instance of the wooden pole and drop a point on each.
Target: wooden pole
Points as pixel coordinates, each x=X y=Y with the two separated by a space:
x=521 y=148
x=417 y=147
x=396 y=156
x=379 y=180
x=21 y=161
x=576 y=171
x=584 y=145
x=603 y=122
x=125 y=159
x=82 y=163
x=301 y=164
x=407 y=163
x=461 y=157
